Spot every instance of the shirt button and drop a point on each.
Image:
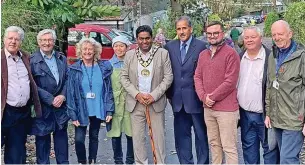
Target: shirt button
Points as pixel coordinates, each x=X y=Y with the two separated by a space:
x=181 y=88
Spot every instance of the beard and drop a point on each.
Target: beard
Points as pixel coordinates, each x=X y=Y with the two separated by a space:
x=216 y=43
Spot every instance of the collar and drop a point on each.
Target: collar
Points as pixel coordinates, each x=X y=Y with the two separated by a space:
x=45 y=56
x=188 y=42
x=218 y=46
x=8 y=54
x=115 y=59
x=260 y=54
x=286 y=50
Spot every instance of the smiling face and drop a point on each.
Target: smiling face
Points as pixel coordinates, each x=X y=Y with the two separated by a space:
x=12 y=42
x=184 y=31
x=120 y=49
x=46 y=43
x=252 y=39
x=281 y=34
x=215 y=34
x=87 y=51
x=144 y=41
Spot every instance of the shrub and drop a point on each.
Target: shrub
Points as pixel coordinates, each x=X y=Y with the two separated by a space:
x=295 y=16
x=271 y=18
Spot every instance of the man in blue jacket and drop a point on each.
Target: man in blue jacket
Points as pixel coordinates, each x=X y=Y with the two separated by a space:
x=187 y=108
x=49 y=70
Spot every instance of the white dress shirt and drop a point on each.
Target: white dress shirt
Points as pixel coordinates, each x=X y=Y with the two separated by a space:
x=249 y=92
x=145 y=81
x=18 y=92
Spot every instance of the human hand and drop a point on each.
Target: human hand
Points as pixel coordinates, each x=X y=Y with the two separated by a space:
x=148 y=99
x=75 y=123
x=58 y=100
x=108 y=119
x=209 y=102
x=141 y=98
x=268 y=122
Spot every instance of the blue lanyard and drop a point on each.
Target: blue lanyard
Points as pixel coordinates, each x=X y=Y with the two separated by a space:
x=278 y=64
x=89 y=79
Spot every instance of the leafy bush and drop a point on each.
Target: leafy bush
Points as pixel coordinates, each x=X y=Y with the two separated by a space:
x=28 y=17
x=271 y=18
x=295 y=16
x=214 y=17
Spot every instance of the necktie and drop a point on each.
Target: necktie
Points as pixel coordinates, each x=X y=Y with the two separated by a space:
x=183 y=51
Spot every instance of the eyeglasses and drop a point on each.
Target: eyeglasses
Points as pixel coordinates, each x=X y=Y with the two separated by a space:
x=215 y=34
x=46 y=40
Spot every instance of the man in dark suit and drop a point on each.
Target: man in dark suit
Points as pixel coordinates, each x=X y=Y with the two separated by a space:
x=187 y=108
x=49 y=70
x=18 y=92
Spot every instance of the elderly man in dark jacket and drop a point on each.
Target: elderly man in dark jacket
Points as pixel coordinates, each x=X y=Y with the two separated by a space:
x=49 y=70
x=18 y=92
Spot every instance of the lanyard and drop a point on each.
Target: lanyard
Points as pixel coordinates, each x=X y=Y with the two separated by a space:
x=89 y=79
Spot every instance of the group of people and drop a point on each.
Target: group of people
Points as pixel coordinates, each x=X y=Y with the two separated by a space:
x=210 y=87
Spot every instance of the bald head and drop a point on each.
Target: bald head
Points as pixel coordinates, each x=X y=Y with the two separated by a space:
x=281 y=34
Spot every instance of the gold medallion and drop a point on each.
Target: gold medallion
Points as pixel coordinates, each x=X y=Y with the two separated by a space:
x=145 y=72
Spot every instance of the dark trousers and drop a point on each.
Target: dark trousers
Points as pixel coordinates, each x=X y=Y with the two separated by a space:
x=80 y=135
x=183 y=123
x=61 y=147
x=15 y=125
x=252 y=135
x=290 y=143
x=118 y=153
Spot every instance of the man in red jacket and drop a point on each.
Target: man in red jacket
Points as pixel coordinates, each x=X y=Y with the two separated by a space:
x=215 y=80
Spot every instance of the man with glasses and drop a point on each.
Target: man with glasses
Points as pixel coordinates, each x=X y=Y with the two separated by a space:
x=216 y=78
x=49 y=69
x=18 y=93
x=187 y=108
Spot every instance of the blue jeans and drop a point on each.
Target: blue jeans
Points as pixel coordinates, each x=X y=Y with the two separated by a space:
x=117 y=150
x=253 y=133
x=80 y=135
x=290 y=143
x=61 y=147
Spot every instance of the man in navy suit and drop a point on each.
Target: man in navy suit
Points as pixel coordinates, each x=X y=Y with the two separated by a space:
x=49 y=70
x=188 y=109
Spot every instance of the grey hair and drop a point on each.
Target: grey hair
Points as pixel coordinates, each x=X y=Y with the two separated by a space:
x=46 y=31
x=184 y=18
x=255 y=28
x=17 y=29
x=97 y=48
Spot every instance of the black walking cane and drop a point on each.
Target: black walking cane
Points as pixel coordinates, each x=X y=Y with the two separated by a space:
x=151 y=135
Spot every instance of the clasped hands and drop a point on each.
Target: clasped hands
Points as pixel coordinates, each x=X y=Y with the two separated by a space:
x=145 y=99
x=209 y=102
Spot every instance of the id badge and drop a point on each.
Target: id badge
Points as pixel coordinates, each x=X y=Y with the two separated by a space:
x=275 y=85
x=90 y=95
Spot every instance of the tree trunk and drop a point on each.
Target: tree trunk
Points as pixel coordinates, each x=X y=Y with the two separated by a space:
x=176 y=6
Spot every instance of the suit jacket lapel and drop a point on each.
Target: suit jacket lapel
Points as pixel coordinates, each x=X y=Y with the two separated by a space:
x=134 y=65
x=189 y=51
x=4 y=73
x=60 y=68
x=177 y=52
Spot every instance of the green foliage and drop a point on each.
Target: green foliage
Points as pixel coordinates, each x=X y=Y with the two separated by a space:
x=271 y=18
x=214 y=17
x=28 y=17
x=295 y=16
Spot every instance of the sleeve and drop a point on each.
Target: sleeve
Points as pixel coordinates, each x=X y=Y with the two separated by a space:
x=167 y=79
x=230 y=79
x=71 y=105
x=109 y=94
x=199 y=87
x=125 y=79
